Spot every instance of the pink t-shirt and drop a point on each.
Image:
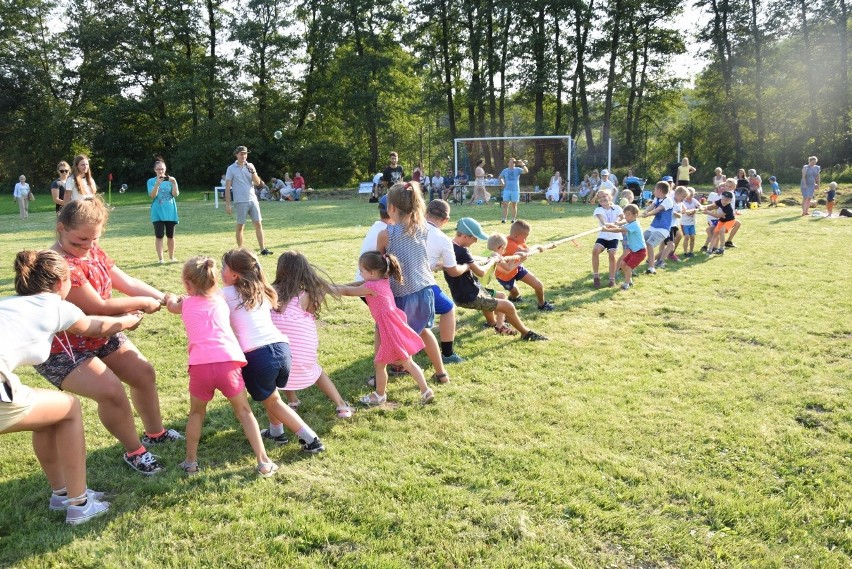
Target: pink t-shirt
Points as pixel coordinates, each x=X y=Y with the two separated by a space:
x=208 y=330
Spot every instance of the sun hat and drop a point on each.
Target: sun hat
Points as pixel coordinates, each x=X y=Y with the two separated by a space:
x=469 y=226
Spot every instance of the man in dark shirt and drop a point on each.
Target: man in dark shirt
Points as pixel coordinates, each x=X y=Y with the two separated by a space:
x=393 y=173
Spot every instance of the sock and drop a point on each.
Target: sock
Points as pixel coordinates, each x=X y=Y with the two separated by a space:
x=447 y=349
x=155 y=435
x=306 y=434
x=137 y=452
x=276 y=430
x=61 y=492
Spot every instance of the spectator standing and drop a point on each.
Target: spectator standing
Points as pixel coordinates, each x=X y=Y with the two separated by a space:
x=511 y=179
x=394 y=173
x=810 y=183
x=57 y=188
x=163 y=189
x=22 y=196
x=240 y=180
x=81 y=184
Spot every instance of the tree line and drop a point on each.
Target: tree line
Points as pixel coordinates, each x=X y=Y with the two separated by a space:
x=328 y=87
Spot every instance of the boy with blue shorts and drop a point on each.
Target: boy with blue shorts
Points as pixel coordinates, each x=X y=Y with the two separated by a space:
x=510 y=177
x=661 y=208
x=510 y=272
x=439 y=248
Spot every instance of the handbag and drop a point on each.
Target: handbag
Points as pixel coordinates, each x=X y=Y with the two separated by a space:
x=31 y=196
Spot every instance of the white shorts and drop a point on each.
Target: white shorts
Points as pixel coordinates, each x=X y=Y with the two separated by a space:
x=653 y=237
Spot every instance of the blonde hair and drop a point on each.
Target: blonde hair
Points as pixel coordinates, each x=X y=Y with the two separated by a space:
x=63 y=164
x=38 y=271
x=496 y=241
x=200 y=273
x=252 y=286
x=90 y=211
x=681 y=191
x=408 y=200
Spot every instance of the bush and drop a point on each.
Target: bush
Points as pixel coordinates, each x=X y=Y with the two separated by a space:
x=323 y=164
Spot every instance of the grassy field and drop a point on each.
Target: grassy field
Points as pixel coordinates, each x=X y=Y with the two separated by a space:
x=701 y=419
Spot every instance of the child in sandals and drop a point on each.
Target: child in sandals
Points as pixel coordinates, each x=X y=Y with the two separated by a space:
x=301 y=294
x=215 y=360
x=468 y=292
x=398 y=342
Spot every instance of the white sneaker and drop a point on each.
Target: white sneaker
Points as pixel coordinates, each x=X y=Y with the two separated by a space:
x=81 y=514
x=57 y=501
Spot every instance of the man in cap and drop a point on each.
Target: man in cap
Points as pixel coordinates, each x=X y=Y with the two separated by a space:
x=241 y=179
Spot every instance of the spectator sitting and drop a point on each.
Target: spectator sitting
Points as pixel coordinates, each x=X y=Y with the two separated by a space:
x=298 y=186
x=275 y=187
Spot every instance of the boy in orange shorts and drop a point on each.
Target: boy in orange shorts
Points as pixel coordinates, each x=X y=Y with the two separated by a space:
x=510 y=272
x=724 y=211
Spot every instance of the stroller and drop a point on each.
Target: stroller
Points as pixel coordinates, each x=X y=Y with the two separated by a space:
x=637 y=186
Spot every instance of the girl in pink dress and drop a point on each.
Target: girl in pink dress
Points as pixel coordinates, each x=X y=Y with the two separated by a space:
x=397 y=341
x=301 y=294
x=215 y=360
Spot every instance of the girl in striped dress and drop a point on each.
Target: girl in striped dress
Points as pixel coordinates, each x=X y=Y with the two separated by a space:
x=301 y=294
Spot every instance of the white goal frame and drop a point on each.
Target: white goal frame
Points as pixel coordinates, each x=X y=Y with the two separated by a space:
x=566 y=138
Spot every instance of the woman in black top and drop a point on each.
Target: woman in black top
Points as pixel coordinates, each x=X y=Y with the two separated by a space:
x=57 y=188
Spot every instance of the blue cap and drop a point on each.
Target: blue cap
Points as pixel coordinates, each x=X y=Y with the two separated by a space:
x=469 y=226
x=383 y=202
x=667 y=179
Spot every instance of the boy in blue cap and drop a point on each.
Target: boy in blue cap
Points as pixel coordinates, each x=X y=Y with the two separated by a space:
x=468 y=292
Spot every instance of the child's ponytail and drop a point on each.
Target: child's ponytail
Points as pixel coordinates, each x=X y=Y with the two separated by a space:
x=408 y=200
x=394 y=268
x=384 y=264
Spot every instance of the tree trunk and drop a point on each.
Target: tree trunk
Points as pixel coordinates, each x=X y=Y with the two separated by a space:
x=581 y=35
x=757 y=39
x=612 y=73
x=810 y=71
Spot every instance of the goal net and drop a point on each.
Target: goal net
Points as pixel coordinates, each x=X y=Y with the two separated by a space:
x=543 y=155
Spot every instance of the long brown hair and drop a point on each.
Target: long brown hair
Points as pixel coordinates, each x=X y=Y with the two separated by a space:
x=38 y=271
x=387 y=265
x=75 y=173
x=252 y=286
x=294 y=275
x=408 y=200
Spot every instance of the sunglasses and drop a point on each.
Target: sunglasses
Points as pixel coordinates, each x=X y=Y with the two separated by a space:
x=64 y=171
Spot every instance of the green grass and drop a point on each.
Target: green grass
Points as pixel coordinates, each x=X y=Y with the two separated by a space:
x=701 y=419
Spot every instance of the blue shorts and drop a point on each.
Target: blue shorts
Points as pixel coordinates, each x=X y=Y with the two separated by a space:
x=443 y=303
x=268 y=369
x=688 y=229
x=419 y=308
x=511 y=195
x=510 y=284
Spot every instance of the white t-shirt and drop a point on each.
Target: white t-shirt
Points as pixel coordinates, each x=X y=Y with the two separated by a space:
x=253 y=328
x=439 y=248
x=676 y=208
x=690 y=203
x=370 y=242
x=29 y=324
x=712 y=198
x=377 y=179
x=610 y=215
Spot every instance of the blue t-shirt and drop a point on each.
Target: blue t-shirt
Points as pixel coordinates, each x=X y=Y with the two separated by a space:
x=512 y=177
x=663 y=219
x=776 y=189
x=635 y=241
x=164 y=206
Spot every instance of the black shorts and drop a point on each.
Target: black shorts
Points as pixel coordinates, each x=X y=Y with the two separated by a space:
x=608 y=244
x=672 y=235
x=166 y=228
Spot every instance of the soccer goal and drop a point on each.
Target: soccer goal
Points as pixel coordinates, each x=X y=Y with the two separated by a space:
x=543 y=155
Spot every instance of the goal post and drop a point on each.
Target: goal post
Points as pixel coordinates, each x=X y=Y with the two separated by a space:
x=540 y=153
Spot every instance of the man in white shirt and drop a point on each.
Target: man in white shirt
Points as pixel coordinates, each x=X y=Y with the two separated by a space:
x=241 y=179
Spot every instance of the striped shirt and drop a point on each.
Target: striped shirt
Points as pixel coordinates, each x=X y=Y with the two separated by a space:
x=410 y=250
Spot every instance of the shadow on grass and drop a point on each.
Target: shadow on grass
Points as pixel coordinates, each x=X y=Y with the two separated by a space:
x=787 y=219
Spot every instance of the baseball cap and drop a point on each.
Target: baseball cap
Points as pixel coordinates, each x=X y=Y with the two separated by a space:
x=771 y=178
x=604 y=172
x=667 y=179
x=469 y=226
x=728 y=195
x=239 y=149
x=383 y=202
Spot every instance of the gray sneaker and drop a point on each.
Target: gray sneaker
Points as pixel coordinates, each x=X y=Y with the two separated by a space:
x=76 y=515
x=58 y=501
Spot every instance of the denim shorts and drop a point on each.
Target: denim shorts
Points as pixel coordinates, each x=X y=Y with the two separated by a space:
x=511 y=196
x=267 y=369
x=688 y=229
x=443 y=303
x=59 y=366
x=419 y=308
x=510 y=284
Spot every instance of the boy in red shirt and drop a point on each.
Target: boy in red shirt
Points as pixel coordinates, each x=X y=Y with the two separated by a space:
x=509 y=272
